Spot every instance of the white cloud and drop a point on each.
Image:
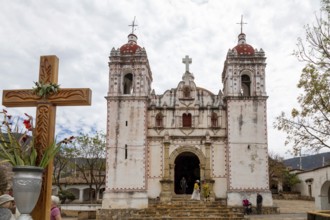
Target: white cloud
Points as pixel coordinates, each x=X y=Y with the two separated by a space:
x=82 y=33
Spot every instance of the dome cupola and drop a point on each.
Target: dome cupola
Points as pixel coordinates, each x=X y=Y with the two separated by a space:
x=131 y=46
x=242 y=48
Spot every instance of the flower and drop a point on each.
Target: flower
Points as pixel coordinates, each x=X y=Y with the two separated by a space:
x=17 y=145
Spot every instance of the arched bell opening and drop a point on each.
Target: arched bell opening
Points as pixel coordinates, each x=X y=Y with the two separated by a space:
x=246 y=85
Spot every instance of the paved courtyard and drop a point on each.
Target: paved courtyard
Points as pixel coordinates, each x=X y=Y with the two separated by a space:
x=289 y=210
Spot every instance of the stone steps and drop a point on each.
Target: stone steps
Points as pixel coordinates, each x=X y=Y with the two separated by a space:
x=182 y=208
x=185 y=218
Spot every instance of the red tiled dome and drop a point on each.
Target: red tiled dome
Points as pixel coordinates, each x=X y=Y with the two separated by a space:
x=129 y=48
x=244 y=49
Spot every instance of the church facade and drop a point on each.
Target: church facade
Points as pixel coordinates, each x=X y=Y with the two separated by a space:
x=153 y=140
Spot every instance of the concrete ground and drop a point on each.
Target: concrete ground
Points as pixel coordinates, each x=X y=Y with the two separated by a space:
x=289 y=210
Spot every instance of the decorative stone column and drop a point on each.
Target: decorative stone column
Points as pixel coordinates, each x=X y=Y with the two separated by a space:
x=81 y=195
x=207 y=173
x=207 y=161
x=166 y=193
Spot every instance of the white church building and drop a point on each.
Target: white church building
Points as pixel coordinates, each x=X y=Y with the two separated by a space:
x=153 y=140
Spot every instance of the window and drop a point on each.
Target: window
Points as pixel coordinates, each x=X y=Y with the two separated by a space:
x=128 y=83
x=125 y=151
x=214 y=120
x=245 y=85
x=159 y=120
x=186 y=92
x=186 y=120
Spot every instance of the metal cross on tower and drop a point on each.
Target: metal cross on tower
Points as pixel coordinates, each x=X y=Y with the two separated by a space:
x=186 y=61
x=133 y=25
x=241 y=23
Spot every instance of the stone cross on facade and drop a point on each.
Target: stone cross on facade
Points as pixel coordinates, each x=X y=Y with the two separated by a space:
x=241 y=23
x=45 y=120
x=186 y=61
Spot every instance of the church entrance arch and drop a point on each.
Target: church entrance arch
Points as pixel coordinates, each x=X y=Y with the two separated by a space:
x=187 y=166
x=189 y=162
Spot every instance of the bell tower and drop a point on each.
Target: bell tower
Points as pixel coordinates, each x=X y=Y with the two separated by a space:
x=245 y=100
x=130 y=80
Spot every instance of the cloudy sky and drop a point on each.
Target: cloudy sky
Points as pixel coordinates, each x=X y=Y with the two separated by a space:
x=81 y=34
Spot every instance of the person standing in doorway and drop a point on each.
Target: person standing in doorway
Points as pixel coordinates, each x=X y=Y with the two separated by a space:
x=205 y=190
x=183 y=184
x=259 y=203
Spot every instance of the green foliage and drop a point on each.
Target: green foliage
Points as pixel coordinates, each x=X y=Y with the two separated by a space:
x=91 y=149
x=45 y=89
x=63 y=163
x=66 y=195
x=276 y=167
x=289 y=180
x=277 y=170
x=309 y=126
x=19 y=148
x=85 y=157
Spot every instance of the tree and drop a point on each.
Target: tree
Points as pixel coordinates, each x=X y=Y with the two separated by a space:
x=289 y=180
x=63 y=162
x=276 y=171
x=63 y=167
x=91 y=165
x=309 y=126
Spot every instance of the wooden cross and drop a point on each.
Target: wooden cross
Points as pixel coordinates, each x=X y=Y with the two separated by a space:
x=186 y=61
x=45 y=120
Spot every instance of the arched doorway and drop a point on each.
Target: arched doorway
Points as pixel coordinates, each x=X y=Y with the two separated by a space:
x=324 y=197
x=187 y=165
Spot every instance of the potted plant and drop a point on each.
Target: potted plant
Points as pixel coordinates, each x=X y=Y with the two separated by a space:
x=17 y=147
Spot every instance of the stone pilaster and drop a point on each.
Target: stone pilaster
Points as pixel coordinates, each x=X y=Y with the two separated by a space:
x=207 y=161
x=166 y=182
x=207 y=174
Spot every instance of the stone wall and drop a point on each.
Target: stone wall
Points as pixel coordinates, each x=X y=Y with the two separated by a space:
x=292 y=196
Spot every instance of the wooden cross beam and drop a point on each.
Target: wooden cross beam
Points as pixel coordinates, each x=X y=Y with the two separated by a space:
x=45 y=120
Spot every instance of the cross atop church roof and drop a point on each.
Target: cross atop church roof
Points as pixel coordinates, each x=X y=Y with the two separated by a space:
x=133 y=25
x=186 y=61
x=241 y=23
